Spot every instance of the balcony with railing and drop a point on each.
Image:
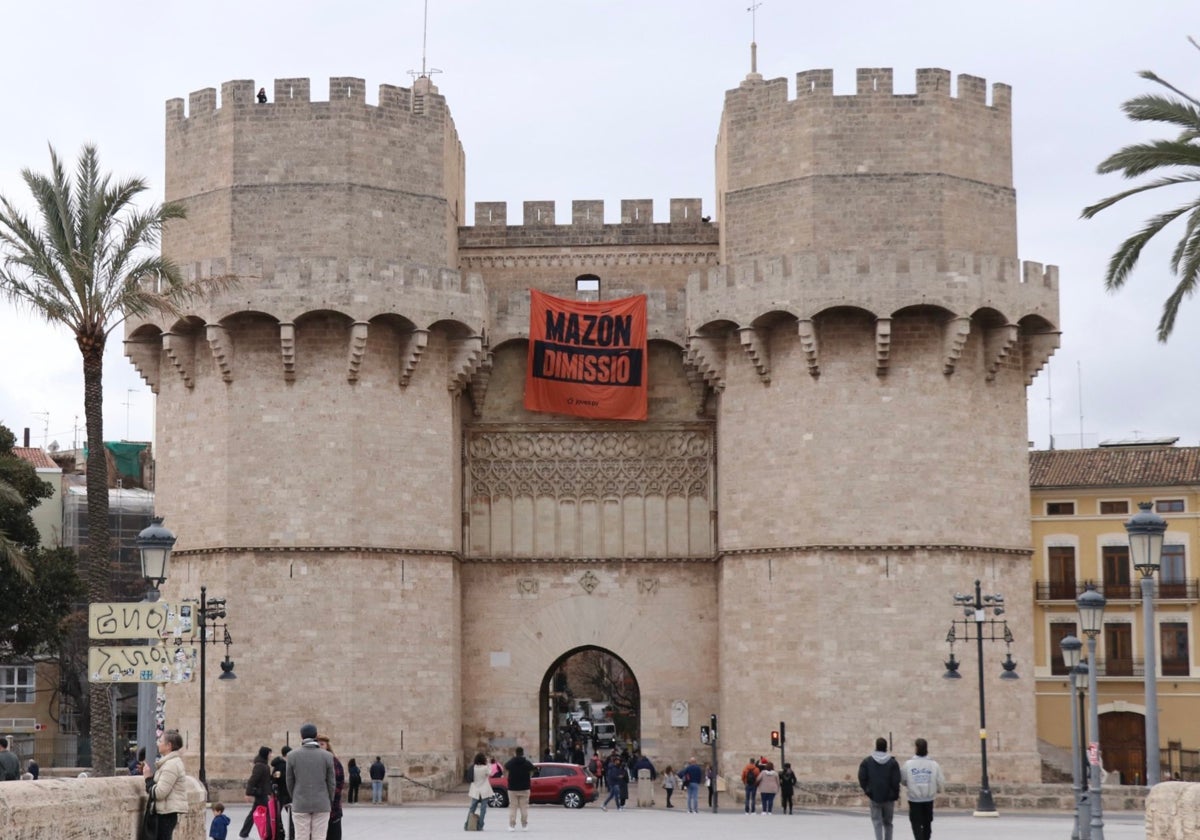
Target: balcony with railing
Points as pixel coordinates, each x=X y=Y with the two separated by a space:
x=1057 y=590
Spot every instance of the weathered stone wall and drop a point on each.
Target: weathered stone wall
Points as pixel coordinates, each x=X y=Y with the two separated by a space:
x=1173 y=811
x=88 y=809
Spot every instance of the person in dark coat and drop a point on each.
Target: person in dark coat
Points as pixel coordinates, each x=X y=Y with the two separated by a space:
x=879 y=778
x=258 y=787
x=355 y=780
x=377 y=773
x=283 y=799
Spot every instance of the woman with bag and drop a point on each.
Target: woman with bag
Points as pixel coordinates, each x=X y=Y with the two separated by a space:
x=164 y=783
x=480 y=791
x=258 y=789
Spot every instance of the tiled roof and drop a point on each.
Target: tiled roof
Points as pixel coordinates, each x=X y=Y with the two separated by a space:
x=37 y=457
x=1151 y=466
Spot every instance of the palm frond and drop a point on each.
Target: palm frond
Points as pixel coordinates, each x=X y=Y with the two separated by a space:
x=1151 y=108
x=1126 y=256
x=1154 y=77
x=1092 y=210
x=1141 y=158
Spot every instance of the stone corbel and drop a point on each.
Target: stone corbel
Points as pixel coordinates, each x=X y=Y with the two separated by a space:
x=466 y=354
x=696 y=384
x=146 y=357
x=808 y=343
x=181 y=351
x=411 y=349
x=480 y=380
x=707 y=356
x=358 y=347
x=755 y=346
x=954 y=338
x=1039 y=347
x=222 y=349
x=883 y=345
x=1000 y=342
x=287 y=346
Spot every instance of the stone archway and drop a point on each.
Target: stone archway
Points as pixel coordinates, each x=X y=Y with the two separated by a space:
x=572 y=683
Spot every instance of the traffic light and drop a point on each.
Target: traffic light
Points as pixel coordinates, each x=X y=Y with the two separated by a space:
x=774 y=737
x=704 y=734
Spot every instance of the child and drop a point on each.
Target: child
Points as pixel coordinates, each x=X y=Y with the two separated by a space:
x=220 y=823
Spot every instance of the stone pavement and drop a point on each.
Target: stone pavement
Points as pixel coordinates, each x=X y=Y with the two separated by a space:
x=445 y=819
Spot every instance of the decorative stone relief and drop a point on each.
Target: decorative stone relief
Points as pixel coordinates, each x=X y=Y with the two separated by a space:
x=647 y=586
x=527 y=586
x=589 y=582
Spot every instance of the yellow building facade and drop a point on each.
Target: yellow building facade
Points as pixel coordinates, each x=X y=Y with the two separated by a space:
x=1080 y=502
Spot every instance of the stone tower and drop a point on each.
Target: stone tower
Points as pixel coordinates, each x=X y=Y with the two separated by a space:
x=835 y=443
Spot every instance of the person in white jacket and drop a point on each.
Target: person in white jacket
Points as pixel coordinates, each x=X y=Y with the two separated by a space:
x=924 y=780
x=480 y=791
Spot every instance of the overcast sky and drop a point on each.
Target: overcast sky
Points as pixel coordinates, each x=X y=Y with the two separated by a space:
x=608 y=99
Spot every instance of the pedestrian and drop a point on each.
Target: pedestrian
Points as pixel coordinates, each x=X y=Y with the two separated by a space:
x=616 y=778
x=262 y=95
x=750 y=783
x=924 y=780
x=768 y=787
x=219 y=827
x=692 y=776
x=496 y=767
x=310 y=783
x=377 y=772
x=258 y=788
x=644 y=763
x=519 y=770
x=879 y=778
x=480 y=791
x=283 y=800
x=10 y=765
x=339 y=782
x=165 y=782
x=355 y=780
x=32 y=769
x=787 y=788
x=710 y=782
x=669 y=781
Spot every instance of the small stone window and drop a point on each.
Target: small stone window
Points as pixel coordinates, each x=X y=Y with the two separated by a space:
x=1114 y=508
x=587 y=287
x=1060 y=508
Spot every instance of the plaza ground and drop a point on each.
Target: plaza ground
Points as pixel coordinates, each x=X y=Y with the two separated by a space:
x=445 y=817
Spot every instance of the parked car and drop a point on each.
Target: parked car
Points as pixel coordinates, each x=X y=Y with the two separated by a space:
x=568 y=785
x=585 y=726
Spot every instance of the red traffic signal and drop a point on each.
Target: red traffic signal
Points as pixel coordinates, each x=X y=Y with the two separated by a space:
x=774 y=737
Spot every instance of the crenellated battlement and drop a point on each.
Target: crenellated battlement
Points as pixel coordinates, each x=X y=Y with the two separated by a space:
x=539 y=225
x=881 y=283
x=874 y=82
x=422 y=98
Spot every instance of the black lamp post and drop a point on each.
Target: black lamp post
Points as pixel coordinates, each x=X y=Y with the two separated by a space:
x=1071 y=646
x=154 y=544
x=993 y=630
x=1146 y=529
x=1091 y=615
x=210 y=610
x=1079 y=679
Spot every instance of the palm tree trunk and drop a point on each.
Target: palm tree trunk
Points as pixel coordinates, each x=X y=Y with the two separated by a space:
x=97 y=564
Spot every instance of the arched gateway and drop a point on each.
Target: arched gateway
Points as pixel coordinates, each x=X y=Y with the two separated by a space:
x=835 y=441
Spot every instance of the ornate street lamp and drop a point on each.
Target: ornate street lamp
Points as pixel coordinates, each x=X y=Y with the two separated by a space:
x=1079 y=678
x=1091 y=616
x=1071 y=646
x=1146 y=529
x=154 y=544
x=974 y=626
x=211 y=610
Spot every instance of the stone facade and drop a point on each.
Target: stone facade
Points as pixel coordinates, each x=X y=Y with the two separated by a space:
x=835 y=442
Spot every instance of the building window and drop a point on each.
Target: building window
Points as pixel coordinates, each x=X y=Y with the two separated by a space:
x=1062 y=573
x=1058 y=632
x=1175 y=656
x=1172 y=578
x=1116 y=572
x=1169 y=506
x=1060 y=508
x=16 y=683
x=587 y=287
x=1113 y=508
x=1118 y=650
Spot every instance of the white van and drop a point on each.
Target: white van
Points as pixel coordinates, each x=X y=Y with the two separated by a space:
x=604 y=734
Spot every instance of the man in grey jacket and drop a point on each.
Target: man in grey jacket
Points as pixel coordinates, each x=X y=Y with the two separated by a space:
x=310 y=782
x=924 y=780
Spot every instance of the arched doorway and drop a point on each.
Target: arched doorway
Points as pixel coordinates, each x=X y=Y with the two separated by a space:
x=591 y=684
x=1123 y=741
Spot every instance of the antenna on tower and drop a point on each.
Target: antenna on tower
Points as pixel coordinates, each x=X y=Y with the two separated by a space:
x=753 y=10
x=45 y=415
x=425 y=72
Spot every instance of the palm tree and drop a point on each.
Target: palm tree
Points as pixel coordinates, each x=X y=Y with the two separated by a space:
x=1182 y=157
x=90 y=263
x=10 y=552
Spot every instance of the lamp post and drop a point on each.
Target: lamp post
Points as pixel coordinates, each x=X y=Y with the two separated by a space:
x=210 y=610
x=1070 y=652
x=975 y=611
x=154 y=546
x=1079 y=680
x=1091 y=614
x=1146 y=529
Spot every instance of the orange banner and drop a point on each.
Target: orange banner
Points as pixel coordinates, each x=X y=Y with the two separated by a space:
x=587 y=359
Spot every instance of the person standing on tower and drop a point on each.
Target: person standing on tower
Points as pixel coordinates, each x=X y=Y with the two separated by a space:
x=879 y=778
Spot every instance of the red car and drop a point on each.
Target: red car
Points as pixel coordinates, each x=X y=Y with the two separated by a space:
x=567 y=784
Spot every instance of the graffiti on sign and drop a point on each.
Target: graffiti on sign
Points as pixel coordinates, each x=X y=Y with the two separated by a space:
x=142 y=663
